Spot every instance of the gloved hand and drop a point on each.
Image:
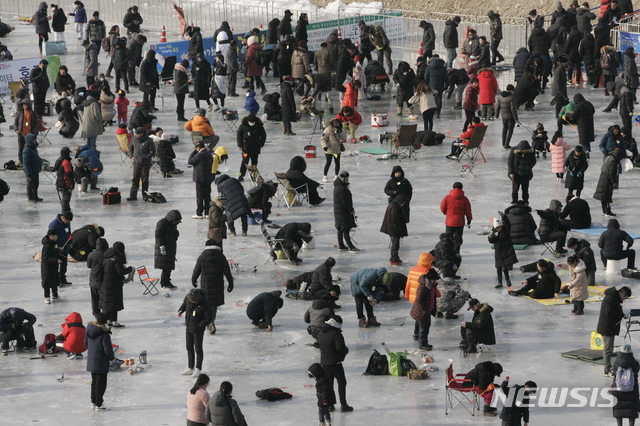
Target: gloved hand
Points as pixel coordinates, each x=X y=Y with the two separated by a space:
x=325 y=148
x=163 y=250
x=295 y=248
x=468 y=223
x=230 y=288
x=194 y=283
x=579 y=174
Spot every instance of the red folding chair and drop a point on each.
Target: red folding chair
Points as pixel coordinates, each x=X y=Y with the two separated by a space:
x=148 y=282
x=457 y=393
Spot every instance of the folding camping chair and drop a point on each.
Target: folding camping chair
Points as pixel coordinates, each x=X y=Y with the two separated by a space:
x=474 y=148
x=402 y=143
x=47 y=172
x=274 y=244
x=290 y=195
x=148 y=283
x=548 y=245
x=254 y=175
x=457 y=393
x=43 y=133
x=230 y=118
x=123 y=146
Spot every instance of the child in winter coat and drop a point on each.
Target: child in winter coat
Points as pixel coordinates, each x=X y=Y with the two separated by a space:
x=540 y=141
x=123 y=107
x=504 y=253
x=488 y=89
x=579 y=291
x=351 y=119
x=73 y=334
x=324 y=392
x=122 y=130
x=558 y=149
x=472 y=67
x=351 y=94
x=250 y=103
x=358 y=75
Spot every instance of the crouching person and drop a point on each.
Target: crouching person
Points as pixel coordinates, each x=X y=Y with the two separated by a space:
x=480 y=329
x=72 y=337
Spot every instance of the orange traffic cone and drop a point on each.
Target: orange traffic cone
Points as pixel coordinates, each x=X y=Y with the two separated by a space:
x=421 y=50
x=163 y=35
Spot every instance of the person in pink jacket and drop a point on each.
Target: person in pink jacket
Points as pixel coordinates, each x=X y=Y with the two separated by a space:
x=197 y=400
x=488 y=89
x=558 y=149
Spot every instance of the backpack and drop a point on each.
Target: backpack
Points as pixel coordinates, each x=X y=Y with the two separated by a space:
x=260 y=60
x=49 y=344
x=378 y=365
x=624 y=379
x=5 y=55
x=605 y=61
x=273 y=394
x=106 y=43
x=407 y=365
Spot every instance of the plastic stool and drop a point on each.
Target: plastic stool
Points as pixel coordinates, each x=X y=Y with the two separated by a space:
x=613 y=267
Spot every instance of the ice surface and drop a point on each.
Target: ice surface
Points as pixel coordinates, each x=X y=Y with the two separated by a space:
x=530 y=336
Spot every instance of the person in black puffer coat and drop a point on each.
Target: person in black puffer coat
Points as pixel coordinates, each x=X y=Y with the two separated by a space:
x=259 y=196
x=84 y=241
x=587 y=50
x=301 y=28
x=481 y=377
x=297 y=178
x=519 y=61
x=627 y=402
x=552 y=228
x=611 y=315
x=132 y=20
x=49 y=275
x=41 y=22
x=114 y=272
x=70 y=124
x=263 y=308
x=446 y=256
x=343 y=212
x=520 y=165
x=450 y=39
x=457 y=80
x=289 y=114
x=582 y=115
x=195 y=42
x=149 y=81
x=523 y=225
x=344 y=68
x=428 y=38
x=94 y=263
x=578 y=211
x=140 y=116
x=543 y=285
x=505 y=255
x=576 y=165
x=237 y=205
x=571 y=46
x=272 y=106
x=166 y=246
x=198 y=317
x=321 y=284
x=608 y=180
x=403 y=78
x=333 y=351
x=201 y=77
x=293 y=234
x=397 y=185
x=99 y=355
x=134 y=46
x=610 y=244
x=284 y=52
x=436 y=77
x=430 y=138
x=250 y=138
x=376 y=74
x=202 y=161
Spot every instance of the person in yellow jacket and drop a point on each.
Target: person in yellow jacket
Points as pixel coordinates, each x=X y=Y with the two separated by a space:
x=219 y=155
x=423 y=267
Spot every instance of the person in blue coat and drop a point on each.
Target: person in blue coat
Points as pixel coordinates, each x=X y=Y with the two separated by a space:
x=99 y=356
x=94 y=162
x=62 y=223
x=32 y=166
x=250 y=103
x=366 y=286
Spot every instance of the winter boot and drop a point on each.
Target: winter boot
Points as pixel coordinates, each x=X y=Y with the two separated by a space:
x=451 y=315
x=499 y=285
x=346 y=408
x=362 y=323
x=489 y=411
x=410 y=110
x=399 y=110
x=457 y=106
x=373 y=322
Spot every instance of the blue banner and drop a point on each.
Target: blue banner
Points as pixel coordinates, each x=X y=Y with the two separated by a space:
x=629 y=40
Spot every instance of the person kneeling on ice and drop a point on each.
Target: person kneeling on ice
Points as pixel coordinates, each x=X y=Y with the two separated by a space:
x=319 y=312
x=544 y=285
x=452 y=298
x=366 y=285
x=482 y=377
x=17 y=324
x=463 y=139
x=518 y=409
x=72 y=337
x=263 y=308
x=578 y=287
x=198 y=316
x=480 y=329
x=324 y=393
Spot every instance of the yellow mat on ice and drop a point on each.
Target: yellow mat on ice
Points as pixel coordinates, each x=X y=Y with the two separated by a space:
x=596 y=294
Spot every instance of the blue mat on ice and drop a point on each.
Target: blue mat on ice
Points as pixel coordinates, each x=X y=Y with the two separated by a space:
x=597 y=230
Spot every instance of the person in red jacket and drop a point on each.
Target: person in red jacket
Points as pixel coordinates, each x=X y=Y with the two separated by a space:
x=351 y=120
x=463 y=139
x=351 y=94
x=488 y=89
x=456 y=207
x=73 y=334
